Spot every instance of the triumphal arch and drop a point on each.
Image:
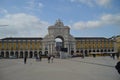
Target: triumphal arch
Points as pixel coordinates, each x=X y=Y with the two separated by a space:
x=58 y=30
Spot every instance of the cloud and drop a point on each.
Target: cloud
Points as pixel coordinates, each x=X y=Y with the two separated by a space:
x=104 y=20
x=22 y=25
x=33 y=5
x=103 y=3
x=3 y=11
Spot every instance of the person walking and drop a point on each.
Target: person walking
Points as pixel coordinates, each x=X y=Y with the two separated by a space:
x=52 y=58
x=40 y=58
x=49 y=58
x=117 y=55
x=25 y=59
x=113 y=55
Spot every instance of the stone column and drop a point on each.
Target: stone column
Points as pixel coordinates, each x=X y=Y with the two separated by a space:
x=51 y=49
x=14 y=53
x=43 y=48
x=115 y=46
x=28 y=54
x=18 y=54
x=48 y=48
x=5 y=54
x=23 y=54
x=33 y=54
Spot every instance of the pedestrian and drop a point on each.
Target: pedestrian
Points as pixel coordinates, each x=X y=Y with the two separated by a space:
x=82 y=56
x=113 y=55
x=40 y=57
x=48 y=58
x=52 y=58
x=94 y=55
x=25 y=59
x=36 y=58
x=117 y=55
x=118 y=66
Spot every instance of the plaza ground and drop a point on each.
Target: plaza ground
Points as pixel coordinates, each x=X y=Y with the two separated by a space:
x=89 y=68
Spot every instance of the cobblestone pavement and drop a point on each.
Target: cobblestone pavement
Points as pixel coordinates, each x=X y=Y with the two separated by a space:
x=99 y=68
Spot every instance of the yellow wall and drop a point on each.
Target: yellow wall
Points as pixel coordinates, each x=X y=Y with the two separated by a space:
x=118 y=43
x=21 y=45
x=94 y=44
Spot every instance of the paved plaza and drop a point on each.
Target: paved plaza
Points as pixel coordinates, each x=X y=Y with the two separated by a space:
x=89 y=68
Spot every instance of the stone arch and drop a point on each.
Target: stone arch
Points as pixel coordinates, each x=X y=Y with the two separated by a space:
x=81 y=51
x=11 y=53
x=35 y=53
x=86 y=53
x=2 y=53
x=77 y=51
x=46 y=53
x=93 y=50
x=7 y=54
x=72 y=52
x=62 y=38
x=31 y=54
x=58 y=30
x=16 y=54
x=97 y=50
x=26 y=53
x=105 y=50
x=21 y=54
x=109 y=50
x=40 y=53
x=112 y=50
x=101 y=50
x=90 y=51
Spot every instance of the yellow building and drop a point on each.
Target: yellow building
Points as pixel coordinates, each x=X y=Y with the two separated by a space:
x=94 y=45
x=33 y=47
x=18 y=46
x=118 y=43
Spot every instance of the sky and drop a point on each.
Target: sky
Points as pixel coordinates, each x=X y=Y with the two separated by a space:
x=86 y=18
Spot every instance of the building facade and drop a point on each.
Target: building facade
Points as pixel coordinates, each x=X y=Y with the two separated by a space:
x=117 y=38
x=47 y=46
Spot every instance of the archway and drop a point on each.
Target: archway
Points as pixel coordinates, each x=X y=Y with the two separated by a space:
x=7 y=54
x=72 y=52
x=2 y=54
x=26 y=53
x=59 y=44
x=21 y=54
x=35 y=54
x=86 y=53
x=58 y=30
x=31 y=54
x=45 y=53
x=11 y=53
x=16 y=54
